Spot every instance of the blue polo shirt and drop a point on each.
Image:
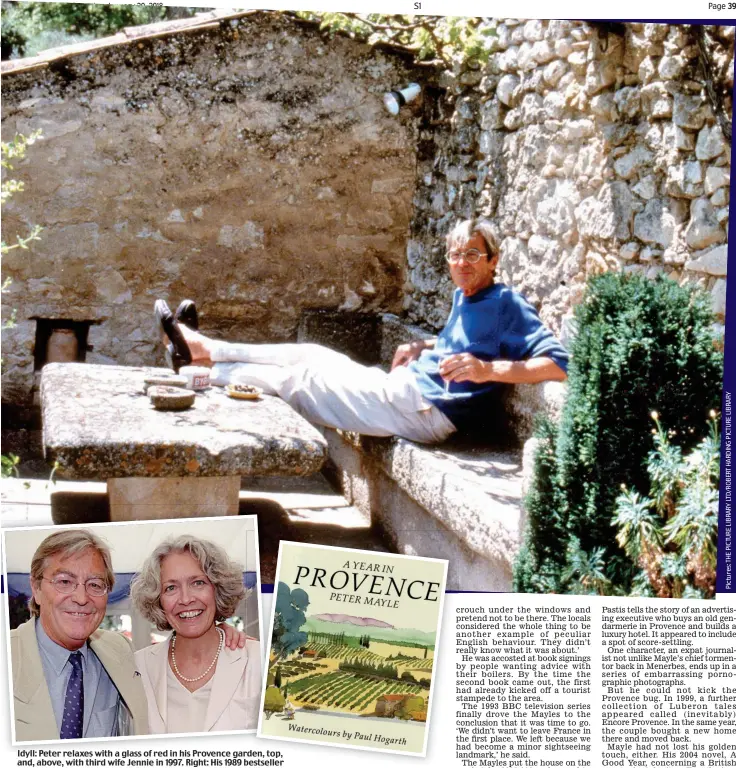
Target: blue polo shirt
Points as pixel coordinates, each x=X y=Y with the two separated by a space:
x=497 y=323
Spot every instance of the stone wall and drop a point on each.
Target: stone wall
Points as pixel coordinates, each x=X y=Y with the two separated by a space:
x=250 y=166
x=593 y=148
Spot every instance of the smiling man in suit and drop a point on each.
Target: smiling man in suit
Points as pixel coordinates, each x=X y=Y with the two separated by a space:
x=72 y=680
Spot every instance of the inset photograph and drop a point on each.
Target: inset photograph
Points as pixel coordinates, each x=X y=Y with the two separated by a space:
x=133 y=629
x=353 y=642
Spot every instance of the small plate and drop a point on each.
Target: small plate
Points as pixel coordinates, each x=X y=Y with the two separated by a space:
x=170 y=398
x=232 y=392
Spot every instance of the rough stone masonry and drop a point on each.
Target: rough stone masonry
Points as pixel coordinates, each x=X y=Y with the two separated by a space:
x=594 y=147
x=250 y=166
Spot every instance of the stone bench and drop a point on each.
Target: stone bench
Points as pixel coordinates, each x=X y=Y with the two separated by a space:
x=455 y=501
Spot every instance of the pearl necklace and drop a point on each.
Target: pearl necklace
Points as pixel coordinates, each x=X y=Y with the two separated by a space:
x=212 y=663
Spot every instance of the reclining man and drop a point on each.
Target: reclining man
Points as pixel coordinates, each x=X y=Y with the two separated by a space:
x=436 y=387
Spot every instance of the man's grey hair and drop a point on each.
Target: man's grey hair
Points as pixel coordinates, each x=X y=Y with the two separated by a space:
x=67 y=544
x=225 y=575
x=464 y=230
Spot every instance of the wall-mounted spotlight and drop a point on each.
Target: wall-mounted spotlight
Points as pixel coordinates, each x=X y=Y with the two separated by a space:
x=394 y=100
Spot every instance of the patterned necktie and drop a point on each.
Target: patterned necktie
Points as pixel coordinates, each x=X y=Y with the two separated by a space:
x=73 y=718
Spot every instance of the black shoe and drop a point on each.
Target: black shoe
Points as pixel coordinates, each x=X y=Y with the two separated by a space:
x=186 y=314
x=179 y=349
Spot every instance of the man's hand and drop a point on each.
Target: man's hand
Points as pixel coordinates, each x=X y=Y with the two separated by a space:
x=234 y=639
x=405 y=353
x=467 y=367
x=464 y=367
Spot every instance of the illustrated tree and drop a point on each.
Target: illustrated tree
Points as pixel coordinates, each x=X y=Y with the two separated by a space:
x=410 y=707
x=289 y=618
x=273 y=701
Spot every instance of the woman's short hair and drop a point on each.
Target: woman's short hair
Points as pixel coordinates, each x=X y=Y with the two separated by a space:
x=67 y=544
x=464 y=230
x=225 y=575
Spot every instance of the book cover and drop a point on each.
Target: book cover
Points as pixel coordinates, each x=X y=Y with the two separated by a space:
x=353 y=643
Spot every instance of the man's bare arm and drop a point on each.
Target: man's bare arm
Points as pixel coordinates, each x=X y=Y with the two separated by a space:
x=405 y=353
x=467 y=367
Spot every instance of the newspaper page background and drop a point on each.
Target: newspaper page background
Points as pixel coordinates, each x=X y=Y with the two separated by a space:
x=603 y=702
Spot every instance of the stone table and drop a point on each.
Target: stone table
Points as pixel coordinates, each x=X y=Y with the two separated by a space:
x=98 y=424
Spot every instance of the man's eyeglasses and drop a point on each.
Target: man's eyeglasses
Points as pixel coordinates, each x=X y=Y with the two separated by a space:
x=471 y=256
x=67 y=586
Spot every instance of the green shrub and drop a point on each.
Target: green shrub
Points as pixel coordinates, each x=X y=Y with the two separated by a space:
x=672 y=534
x=642 y=345
x=540 y=560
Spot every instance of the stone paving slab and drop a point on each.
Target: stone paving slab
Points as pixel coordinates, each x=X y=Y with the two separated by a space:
x=453 y=502
x=98 y=424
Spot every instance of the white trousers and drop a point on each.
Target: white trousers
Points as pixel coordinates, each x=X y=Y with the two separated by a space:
x=327 y=387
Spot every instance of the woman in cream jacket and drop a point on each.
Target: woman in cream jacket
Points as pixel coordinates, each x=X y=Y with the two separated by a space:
x=193 y=682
